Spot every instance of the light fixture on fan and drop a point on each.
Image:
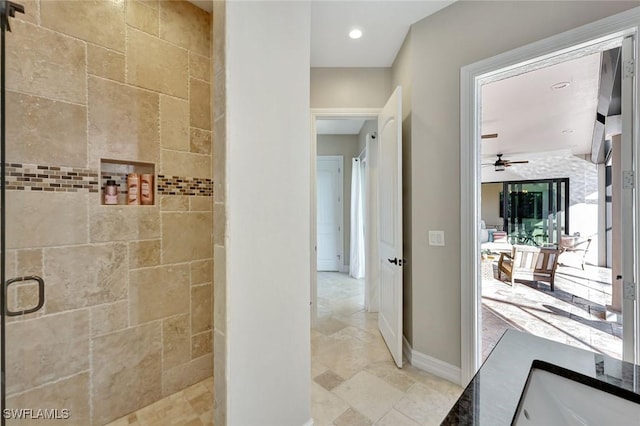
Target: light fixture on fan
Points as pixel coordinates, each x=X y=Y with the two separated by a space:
x=500 y=165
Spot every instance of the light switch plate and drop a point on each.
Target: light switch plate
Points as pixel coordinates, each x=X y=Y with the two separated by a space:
x=436 y=238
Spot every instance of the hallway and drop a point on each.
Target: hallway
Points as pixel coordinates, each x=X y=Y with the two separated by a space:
x=355 y=381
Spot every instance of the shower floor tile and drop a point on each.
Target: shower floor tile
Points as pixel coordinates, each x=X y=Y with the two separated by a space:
x=192 y=406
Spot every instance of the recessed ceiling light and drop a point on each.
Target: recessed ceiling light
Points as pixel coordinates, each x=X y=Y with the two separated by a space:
x=561 y=85
x=567 y=131
x=355 y=33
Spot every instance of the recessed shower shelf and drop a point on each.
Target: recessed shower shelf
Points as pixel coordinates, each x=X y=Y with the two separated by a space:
x=117 y=171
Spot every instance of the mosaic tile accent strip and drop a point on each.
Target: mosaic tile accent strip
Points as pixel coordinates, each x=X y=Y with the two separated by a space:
x=34 y=177
x=177 y=185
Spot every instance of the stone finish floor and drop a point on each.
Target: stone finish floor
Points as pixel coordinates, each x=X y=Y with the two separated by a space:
x=355 y=381
x=192 y=406
x=573 y=314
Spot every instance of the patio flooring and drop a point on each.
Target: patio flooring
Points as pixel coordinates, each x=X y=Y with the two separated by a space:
x=574 y=314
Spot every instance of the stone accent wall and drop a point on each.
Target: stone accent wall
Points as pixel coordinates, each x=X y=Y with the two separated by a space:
x=129 y=295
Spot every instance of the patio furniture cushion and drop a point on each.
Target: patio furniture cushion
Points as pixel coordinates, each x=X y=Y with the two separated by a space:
x=529 y=263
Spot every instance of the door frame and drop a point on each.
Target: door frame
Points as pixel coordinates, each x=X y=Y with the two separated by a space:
x=340 y=206
x=549 y=49
x=325 y=113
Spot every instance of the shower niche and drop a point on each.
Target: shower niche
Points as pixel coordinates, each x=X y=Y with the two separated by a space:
x=130 y=183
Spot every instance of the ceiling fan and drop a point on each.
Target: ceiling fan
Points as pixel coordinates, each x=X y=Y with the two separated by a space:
x=501 y=164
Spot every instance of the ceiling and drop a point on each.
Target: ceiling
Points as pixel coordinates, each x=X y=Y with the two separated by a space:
x=384 y=25
x=339 y=126
x=530 y=116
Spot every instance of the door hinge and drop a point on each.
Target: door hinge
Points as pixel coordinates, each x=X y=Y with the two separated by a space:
x=628 y=179
x=629 y=290
x=628 y=69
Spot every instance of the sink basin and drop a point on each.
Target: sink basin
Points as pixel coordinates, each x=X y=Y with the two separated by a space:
x=556 y=396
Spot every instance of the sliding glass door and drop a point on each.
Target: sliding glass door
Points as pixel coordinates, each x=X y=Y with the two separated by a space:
x=535 y=212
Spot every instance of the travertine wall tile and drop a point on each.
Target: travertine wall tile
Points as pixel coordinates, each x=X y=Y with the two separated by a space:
x=35 y=125
x=31 y=11
x=175 y=163
x=110 y=80
x=126 y=371
x=174 y=123
x=29 y=262
x=185 y=375
x=50 y=348
x=199 y=66
x=46 y=219
x=200 y=141
x=158 y=292
x=186 y=25
x=200 y=204
x=200 y=104
x=124 y=223
x=201 y=308
x=105 y=63
x=71 y=393
x=156 y=65
x=109 y=317
x=201 y=271
x=201 y=344
x=45 y=63
x=123 y=122
x=174 y=203
x=219 y=378
x=143 y=17
x=219 y=96
x=220 y=220
x=186 y=236
x=219 y=158
x=80 y=276
x=175 y=341
x=144 y=253
x=86 y=20
x=219 y=289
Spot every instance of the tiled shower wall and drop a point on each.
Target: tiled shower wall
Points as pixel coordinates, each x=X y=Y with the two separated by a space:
x=128 y=312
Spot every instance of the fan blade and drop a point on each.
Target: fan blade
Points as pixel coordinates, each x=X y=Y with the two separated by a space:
x=516 y=162
x=489 y=136
x=487 y=164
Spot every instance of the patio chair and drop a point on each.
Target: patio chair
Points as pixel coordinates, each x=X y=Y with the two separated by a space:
x=529 y=263
x=572 y=245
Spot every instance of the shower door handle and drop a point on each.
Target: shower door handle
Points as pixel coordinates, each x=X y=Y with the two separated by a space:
x=40 y=304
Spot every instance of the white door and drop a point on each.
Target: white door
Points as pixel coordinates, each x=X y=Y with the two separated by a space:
x=390 y=259
x=329 y=209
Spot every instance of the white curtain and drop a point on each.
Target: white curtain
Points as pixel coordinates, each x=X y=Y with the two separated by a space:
x=356 y=261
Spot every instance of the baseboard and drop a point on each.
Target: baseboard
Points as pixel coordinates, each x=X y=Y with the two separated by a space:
x=431 y=365
x=308 y=423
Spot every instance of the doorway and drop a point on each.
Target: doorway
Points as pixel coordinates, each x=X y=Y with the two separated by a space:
x=605 y=34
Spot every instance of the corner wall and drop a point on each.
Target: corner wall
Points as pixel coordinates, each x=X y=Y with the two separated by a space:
x=268 y=256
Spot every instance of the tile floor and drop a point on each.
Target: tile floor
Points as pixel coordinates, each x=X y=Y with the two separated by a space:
x=573 y=314
x=192 y=406
x=355 y=381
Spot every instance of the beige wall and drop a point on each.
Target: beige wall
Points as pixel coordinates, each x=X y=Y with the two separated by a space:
x=347 y=146
x=490 y=204
x=350 y=87
x=460 y=34
x=128 y=312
